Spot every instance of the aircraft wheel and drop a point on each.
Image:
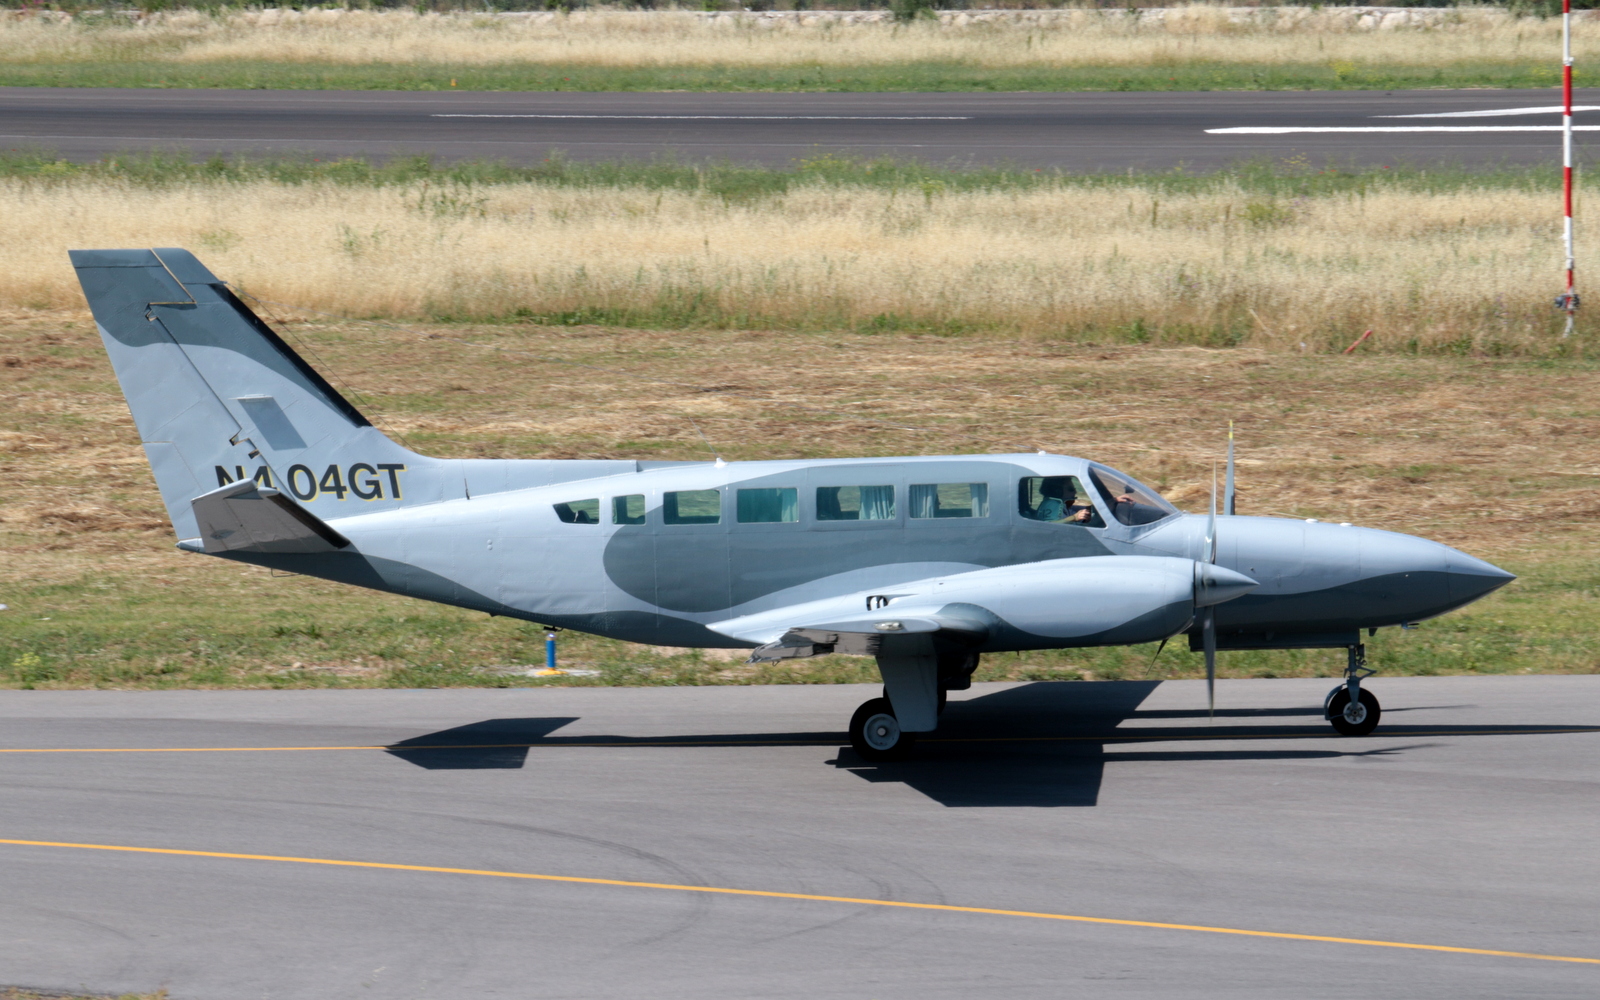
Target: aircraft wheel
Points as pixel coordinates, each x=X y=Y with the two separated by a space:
x=1354 y=720
x=875 y=732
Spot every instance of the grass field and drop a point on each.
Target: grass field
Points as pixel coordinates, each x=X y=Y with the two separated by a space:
x=1199 y=47
x=1498 y=456
x=1286 y=256
x=17 y=993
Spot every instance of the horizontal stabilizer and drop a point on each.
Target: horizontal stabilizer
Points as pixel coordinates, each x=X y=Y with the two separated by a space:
x=248 y=517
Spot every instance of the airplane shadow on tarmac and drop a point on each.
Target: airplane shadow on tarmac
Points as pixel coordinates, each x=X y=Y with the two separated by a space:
x=1040 y=744
x=491 y=744
x=1043 y=744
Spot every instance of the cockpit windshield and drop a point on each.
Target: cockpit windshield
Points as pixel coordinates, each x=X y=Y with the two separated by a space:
x=1131 y=502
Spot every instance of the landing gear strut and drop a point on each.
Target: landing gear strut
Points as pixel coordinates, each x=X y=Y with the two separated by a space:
x=915 y=685
x=1350 y=708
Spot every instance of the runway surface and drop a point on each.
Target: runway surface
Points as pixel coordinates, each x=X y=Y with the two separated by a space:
x=1079 y=132
x=719 y=843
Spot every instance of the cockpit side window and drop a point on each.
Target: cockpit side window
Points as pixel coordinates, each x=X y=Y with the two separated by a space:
x=579 y=511
x=1059 y=500
x=628 y=509
x=1131 y=502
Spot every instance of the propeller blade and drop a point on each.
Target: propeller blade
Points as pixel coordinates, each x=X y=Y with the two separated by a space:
x=1211 y=525
x=1208 y=632
x=1227 y=493
x=1151 y=668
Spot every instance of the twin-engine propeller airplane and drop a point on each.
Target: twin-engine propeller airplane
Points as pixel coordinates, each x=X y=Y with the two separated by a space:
x=924 y=563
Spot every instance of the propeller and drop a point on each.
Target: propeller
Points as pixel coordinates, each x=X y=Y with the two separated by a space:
x=1208 y=622
x=1227 y=493
x=1208 y=617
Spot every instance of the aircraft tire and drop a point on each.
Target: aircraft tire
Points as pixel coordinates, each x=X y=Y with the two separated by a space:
x=876 y=735
x=1366 y=718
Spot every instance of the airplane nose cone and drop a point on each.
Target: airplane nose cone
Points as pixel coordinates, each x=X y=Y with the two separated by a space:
x=1215 y=584
x=1471 y=578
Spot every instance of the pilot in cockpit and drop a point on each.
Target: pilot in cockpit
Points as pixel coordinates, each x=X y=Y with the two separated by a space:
x=1059 y=502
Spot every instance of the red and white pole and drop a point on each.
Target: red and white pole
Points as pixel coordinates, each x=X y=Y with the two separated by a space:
x=1569 y=299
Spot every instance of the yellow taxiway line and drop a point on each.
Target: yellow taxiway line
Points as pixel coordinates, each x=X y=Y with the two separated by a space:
x=851 y=900
x=559 y=743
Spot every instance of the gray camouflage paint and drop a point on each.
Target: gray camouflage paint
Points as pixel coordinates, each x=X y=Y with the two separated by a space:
x=217 y=396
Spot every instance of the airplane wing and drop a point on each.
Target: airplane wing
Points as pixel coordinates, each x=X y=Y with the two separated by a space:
x=866 y=637
x=248 y=517
x=1088 y=601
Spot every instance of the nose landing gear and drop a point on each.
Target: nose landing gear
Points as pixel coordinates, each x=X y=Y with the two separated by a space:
x=1351 y=709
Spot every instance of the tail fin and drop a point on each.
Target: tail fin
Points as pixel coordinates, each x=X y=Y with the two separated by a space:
x=218 y=397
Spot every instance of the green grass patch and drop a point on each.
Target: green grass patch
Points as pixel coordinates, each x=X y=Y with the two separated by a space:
x=18 y=993
x=449 y=189
x=927 y=77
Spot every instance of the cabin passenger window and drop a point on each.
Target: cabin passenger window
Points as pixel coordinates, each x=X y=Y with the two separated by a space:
x=628 y=509
x=855 y=503
x=950 y=500
x=1057 y=499
x=769 y=506
x=692 y=507
x=579 y=511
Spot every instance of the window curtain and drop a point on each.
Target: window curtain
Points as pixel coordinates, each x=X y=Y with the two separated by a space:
x=877 y=503
x=925 y=500
x=980 y=499
x=828 y=504
x=766 y=506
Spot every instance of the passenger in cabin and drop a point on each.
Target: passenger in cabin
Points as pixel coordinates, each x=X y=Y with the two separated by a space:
x=1060 y=502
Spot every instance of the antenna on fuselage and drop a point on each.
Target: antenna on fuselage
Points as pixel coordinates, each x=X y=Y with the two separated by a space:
x=716 y=456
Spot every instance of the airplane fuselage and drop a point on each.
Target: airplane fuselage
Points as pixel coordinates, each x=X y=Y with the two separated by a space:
x=662 y=580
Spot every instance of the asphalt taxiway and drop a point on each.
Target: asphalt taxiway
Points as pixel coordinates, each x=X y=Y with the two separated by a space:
x=1066 y=839
x=1071 y=131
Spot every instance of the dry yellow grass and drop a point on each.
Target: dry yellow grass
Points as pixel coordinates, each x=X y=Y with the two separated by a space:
x=1466 y=268
x=1047 y=39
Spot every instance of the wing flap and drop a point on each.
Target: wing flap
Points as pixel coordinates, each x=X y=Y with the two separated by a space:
x=863 y=637
x=249 y=517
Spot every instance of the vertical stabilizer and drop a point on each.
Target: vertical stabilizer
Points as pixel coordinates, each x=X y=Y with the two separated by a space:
x=218 y=397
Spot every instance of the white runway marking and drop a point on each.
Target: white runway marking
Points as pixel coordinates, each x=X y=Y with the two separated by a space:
x=744 y=118
x=1284 y=130
x=1552 y=109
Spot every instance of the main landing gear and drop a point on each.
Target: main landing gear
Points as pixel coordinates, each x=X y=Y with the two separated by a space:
x=876 y=735
x=1350 y=708
x=918 y=685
